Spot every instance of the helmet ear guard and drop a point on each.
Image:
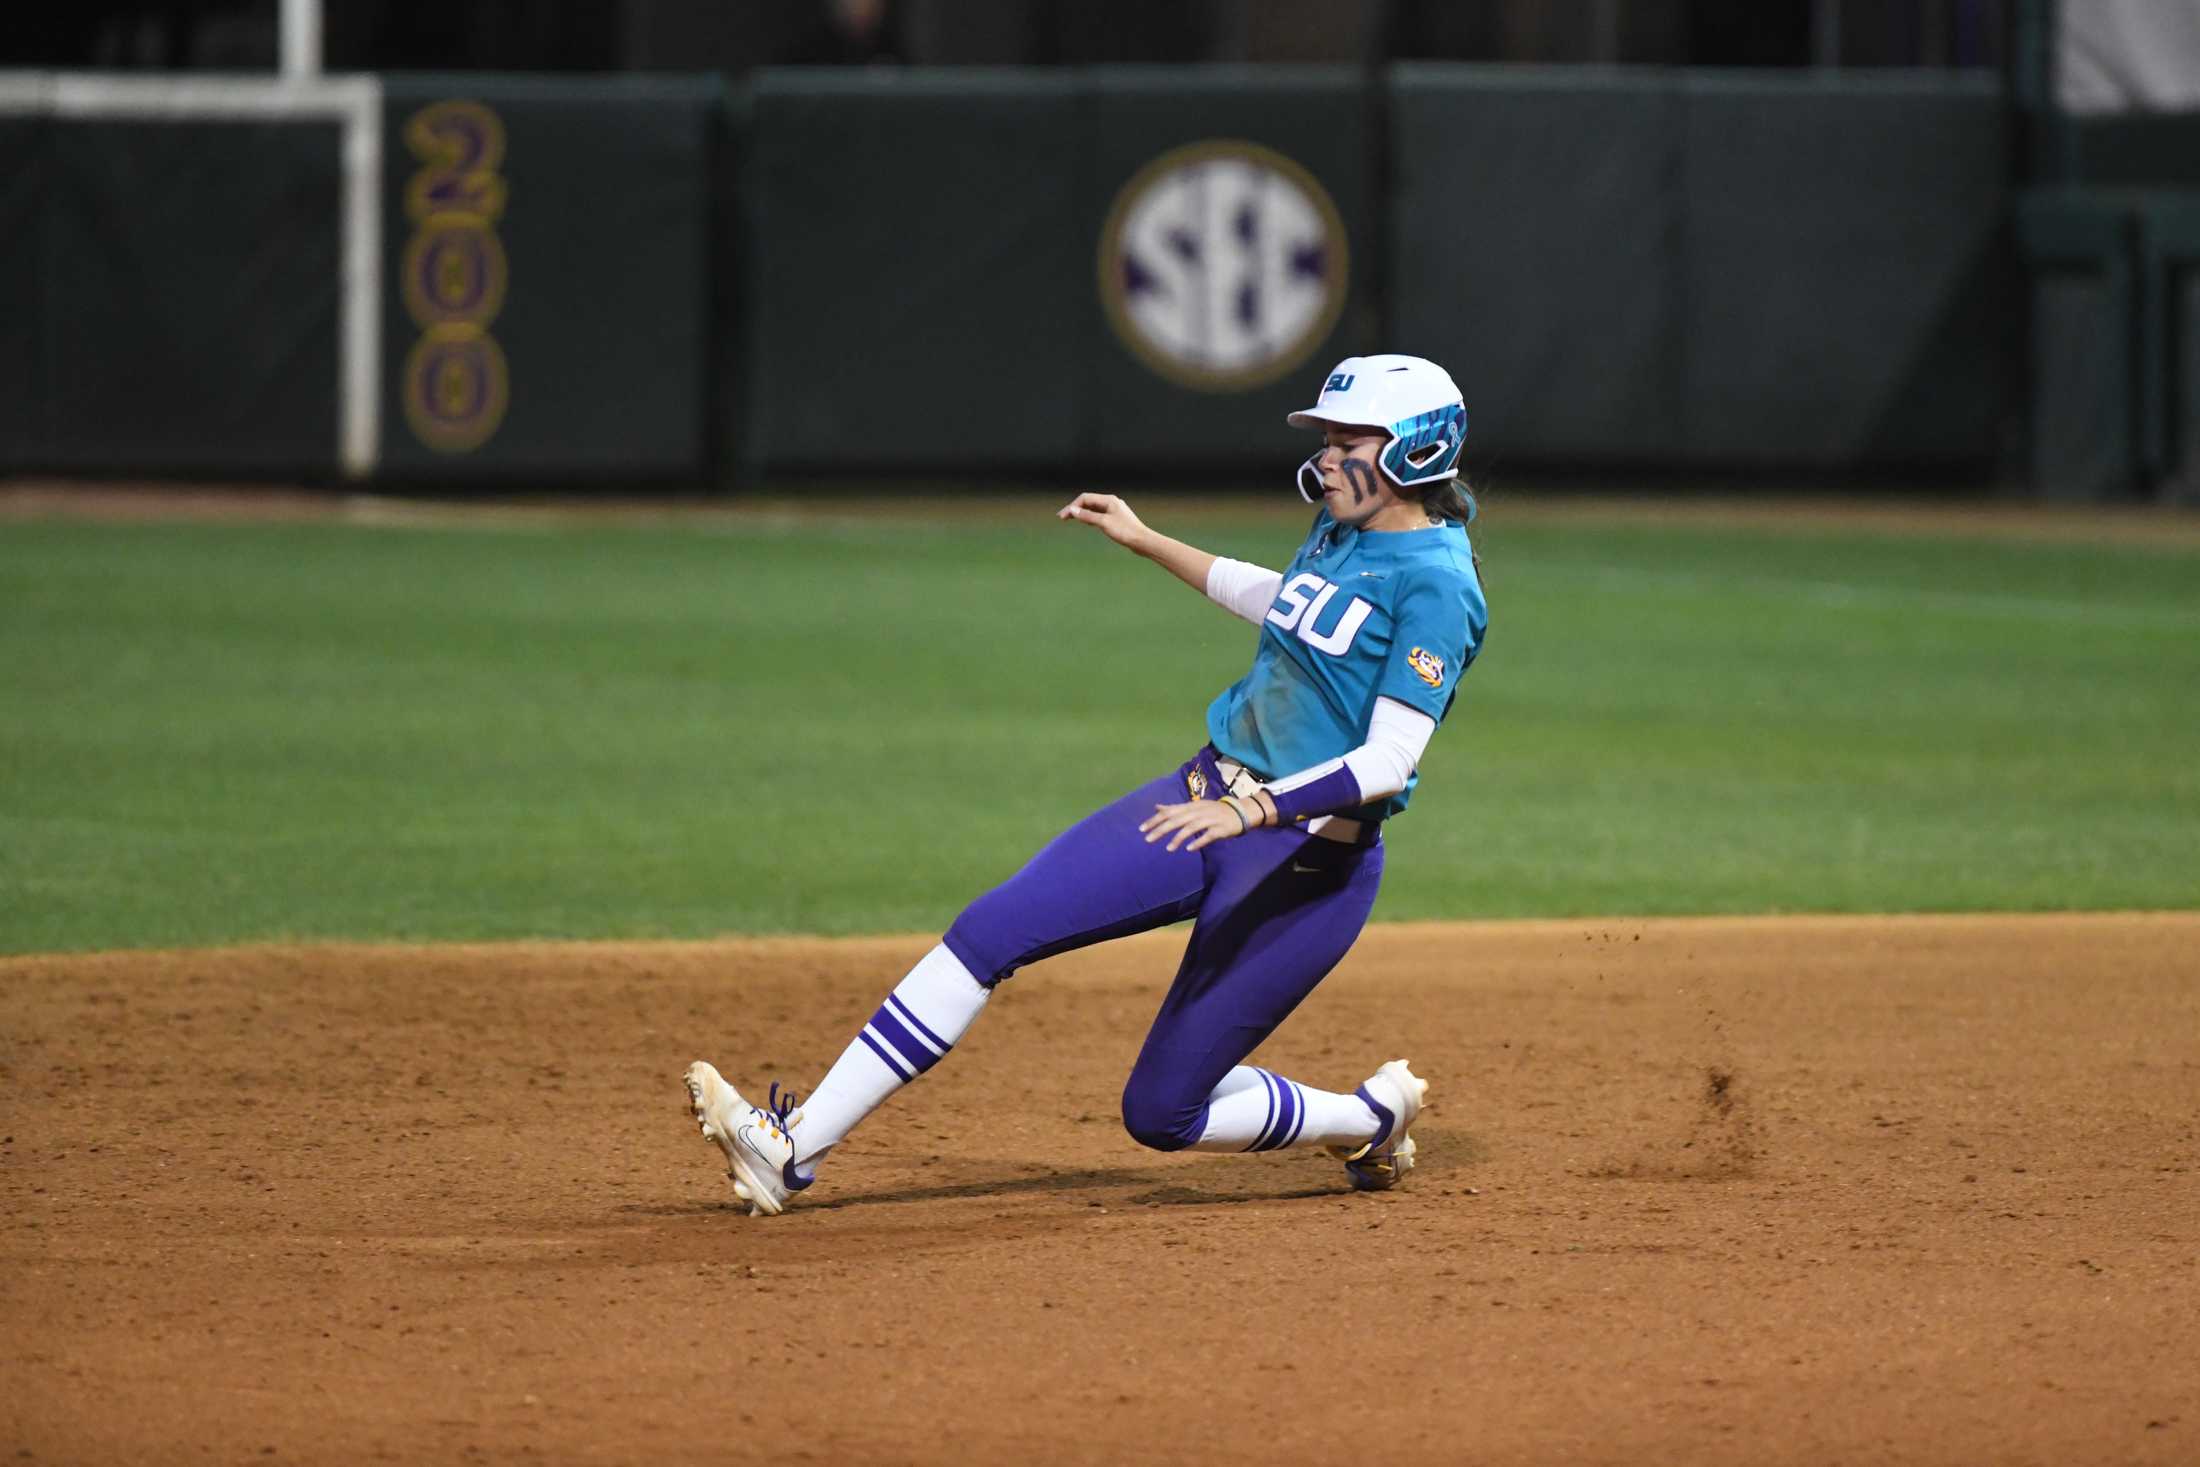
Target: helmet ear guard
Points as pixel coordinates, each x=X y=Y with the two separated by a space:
x=1423 y=450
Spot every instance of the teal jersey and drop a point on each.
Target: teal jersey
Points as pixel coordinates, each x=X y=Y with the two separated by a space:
x=1362 y=614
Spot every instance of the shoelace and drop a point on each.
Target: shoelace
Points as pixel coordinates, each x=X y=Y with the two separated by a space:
x=776 y=1110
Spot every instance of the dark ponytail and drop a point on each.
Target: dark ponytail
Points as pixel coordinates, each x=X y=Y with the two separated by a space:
x=1453 y=499
x=1450 y=500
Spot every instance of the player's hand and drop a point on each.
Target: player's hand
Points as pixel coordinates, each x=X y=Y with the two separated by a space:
x=1107 y=514
x=1194 y=824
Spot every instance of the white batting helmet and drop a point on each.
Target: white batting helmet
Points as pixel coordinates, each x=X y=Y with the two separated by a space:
x=1410 y=398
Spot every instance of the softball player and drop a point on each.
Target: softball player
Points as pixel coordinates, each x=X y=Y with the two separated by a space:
x=1270 y=835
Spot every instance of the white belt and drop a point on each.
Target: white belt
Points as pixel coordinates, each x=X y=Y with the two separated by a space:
x=1240 y=781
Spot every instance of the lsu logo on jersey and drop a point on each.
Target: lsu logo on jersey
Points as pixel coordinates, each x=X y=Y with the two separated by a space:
x=1299 y=607
x=1427 y=666
x=1195 y=782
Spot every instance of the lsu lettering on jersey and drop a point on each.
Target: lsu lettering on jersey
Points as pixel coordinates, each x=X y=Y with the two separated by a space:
x=1362 y=614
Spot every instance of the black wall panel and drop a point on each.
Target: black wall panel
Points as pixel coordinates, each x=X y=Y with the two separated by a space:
x=2169 y=336
x=1537 y=227
x=2183 y=484
x=546 y=305
x=1847 y=271
x=2082 y=396
x=913 y=286
x=2081 y=389
x=1720 y=271
x=190 y=283
x=2137 y=150
x=24 y=168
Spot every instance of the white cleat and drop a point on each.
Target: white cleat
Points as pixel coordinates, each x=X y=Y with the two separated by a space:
x=754 y=1138
x=1395 y=1092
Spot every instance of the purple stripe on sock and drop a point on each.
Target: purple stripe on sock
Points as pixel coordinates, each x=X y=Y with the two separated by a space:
x=1273 y=1134
x=1275 y=1111
x=884 y=1058
x=1270 y=1087
x=909 y=1016
x=1298 y=1121
x=912 y=1049
x=1287 y=1124
x=1385 y=1122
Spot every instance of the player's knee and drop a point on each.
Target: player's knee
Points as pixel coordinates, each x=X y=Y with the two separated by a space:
x=983 y=942
x=1159 y=1120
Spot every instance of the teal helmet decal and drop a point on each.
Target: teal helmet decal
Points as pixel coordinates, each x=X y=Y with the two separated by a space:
x=1425 y=447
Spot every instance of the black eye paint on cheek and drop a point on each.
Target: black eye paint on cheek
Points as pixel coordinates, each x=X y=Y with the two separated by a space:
x=1361 y=478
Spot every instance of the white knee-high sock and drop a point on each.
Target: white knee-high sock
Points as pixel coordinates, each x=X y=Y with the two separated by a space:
x=1258 y=1110
x=911 y=1032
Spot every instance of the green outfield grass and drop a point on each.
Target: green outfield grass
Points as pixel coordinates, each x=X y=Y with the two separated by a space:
x=222 y=731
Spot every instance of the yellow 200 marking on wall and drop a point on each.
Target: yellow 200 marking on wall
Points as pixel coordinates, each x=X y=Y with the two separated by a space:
x=456 y=382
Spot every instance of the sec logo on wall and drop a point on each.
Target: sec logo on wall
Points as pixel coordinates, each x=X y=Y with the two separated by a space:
x=1223 y=265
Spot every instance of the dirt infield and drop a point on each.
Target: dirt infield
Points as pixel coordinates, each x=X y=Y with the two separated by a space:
x=1805 y=1190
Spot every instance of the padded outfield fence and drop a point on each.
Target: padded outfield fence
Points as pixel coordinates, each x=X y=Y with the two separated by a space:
x=473 y=279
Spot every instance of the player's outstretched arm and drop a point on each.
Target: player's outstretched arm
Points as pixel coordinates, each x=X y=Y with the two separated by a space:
x=1114 y=519
x=1245 y=589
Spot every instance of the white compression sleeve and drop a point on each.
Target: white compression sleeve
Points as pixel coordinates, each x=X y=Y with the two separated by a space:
x=1397 y=737
x=1243 y=588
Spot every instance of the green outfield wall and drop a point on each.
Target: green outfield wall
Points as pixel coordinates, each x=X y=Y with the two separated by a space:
x=450 y=280
x=1709 y=269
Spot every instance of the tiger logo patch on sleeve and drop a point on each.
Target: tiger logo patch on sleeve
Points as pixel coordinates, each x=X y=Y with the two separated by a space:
x=1427 y=666
x=1195 y=783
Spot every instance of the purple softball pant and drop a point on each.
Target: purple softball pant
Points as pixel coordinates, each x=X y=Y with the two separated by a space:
x=1276 y=909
